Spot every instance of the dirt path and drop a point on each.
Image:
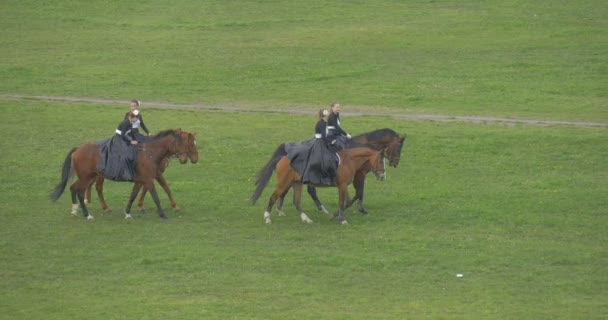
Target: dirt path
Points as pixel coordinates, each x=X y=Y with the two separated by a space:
x=354 y=111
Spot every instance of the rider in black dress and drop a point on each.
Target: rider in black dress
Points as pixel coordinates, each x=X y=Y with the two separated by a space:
x=118 y=153
x=320 y=162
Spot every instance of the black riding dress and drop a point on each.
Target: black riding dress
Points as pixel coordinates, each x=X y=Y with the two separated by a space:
x=117 y=154
x=315 y=162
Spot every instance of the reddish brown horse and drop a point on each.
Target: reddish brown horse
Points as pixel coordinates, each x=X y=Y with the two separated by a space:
x=83 y=161
x=192 y=154
x=351 y=161
x=378 y=139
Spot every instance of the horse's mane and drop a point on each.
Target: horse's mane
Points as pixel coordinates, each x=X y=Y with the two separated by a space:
x=165 y=133
x=378 y=134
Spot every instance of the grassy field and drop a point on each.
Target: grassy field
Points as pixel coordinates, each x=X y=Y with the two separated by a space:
x=521 y=59
x=519 y=211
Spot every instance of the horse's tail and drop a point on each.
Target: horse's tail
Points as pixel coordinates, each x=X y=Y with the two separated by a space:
x=65 y=175
x=266 y=173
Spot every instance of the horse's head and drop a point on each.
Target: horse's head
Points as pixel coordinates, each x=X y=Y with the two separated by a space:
x=384 y=139
x=393 y=151
x=190 y=151
x=183 y=145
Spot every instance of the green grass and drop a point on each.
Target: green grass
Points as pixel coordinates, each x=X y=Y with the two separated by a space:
x=520 y=59
x=520 y=211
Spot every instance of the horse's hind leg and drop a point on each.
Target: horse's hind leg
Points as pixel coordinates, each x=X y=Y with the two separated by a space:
x=312 y=191
x=297 y=201
x=87 y=195
x=75 y=206
x=78 y=190
x=279 y=192
x=273 y=198
x=281 y=202
x=99 y=187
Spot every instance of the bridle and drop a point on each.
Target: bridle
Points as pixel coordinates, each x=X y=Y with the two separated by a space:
x=376 y=169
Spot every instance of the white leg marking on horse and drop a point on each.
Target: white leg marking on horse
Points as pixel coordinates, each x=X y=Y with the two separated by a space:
x=305 y=218
x=344 y=222
x=75 y=209
x=323 y=209
x=90 y=217
x=267 y=217
x=86 y=201
x=281 y=213
x=128 y=216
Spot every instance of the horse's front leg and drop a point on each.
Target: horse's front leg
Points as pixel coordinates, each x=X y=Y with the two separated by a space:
x=150 y=186
x=140 y=203
x=342 y=201
x=297 y=201
x=359 y=184
x=312 y=191
x=132 y=197
x=163 y=183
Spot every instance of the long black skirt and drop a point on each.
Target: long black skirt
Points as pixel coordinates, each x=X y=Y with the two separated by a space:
x=314 y=161
x=117 y=159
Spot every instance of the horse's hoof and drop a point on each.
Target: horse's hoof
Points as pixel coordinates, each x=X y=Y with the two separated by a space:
x=128 y=216
x=164 y=217
x=267 y=221
x=344 y=222
x=90 y=217
x=107 y=209
x=282 y=213
x=323 y=210
x=176 y=208
x=305 y=218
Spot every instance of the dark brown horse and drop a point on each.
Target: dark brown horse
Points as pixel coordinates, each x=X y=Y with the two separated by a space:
x=191 y=153
x=351 y=161
x=83 y=161
x=378 y=139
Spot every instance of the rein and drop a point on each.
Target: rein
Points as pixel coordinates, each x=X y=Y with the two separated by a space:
x=375 y=169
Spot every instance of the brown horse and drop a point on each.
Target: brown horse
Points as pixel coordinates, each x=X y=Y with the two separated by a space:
x=191 y=152
x=378 y=139
x=351 y=161
x=83 y=161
